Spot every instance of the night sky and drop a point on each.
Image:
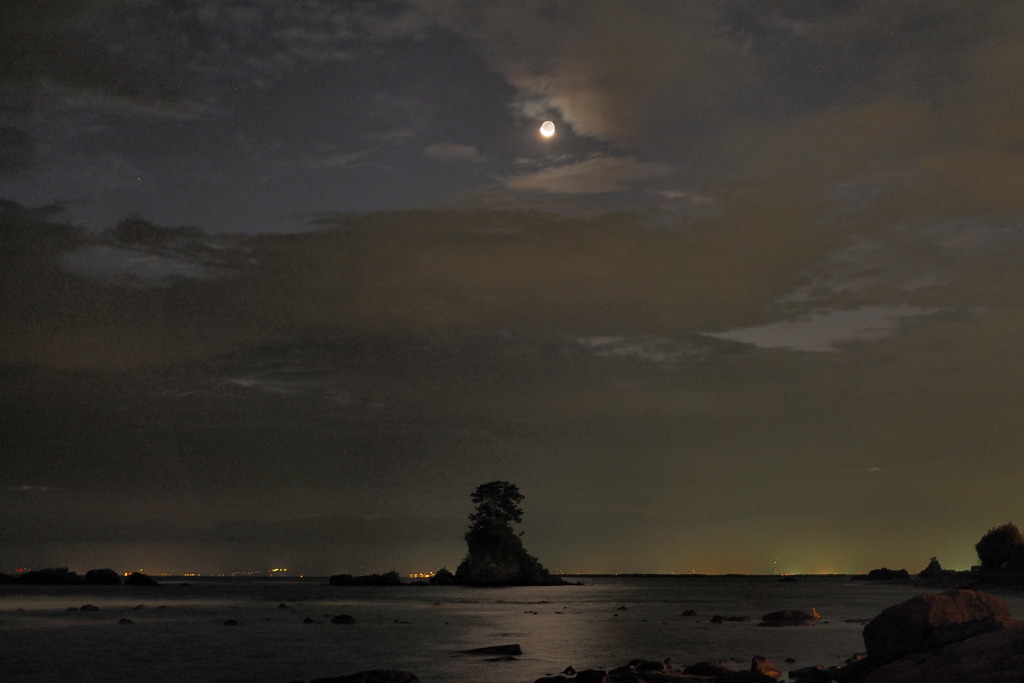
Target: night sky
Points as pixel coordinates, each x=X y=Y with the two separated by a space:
x=282 y=282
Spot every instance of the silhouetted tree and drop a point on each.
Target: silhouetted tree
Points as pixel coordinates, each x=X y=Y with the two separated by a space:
x=497 y=503
x=1000 y=547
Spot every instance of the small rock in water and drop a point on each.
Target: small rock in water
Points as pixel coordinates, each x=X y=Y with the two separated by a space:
x=231 y=622
x=343 y=619
x=308 y=620
x=788 y=617
x=89 y=608
x=125 y=620
x=765 y=667
x=510 y=649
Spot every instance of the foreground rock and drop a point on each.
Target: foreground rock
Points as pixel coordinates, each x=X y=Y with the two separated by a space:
x=959 y=635
x=929 y=621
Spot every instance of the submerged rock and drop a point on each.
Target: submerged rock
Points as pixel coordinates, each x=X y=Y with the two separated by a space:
x=788 y=617
x=374 y=676
x=510 y=649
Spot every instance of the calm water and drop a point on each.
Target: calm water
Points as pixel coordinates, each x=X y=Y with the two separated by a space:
x=179 y=634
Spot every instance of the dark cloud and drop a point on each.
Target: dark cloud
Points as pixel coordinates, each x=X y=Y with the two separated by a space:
x=16 y=150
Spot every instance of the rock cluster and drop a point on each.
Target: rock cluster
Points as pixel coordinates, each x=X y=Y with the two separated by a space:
x=61 y=576
x=762 y=670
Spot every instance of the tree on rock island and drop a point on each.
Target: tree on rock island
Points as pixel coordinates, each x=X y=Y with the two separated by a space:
x=496 y=556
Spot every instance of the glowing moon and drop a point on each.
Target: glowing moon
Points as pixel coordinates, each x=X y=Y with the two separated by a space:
x=547 y=129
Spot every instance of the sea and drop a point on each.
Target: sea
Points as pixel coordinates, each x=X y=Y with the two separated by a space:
x=283 y=627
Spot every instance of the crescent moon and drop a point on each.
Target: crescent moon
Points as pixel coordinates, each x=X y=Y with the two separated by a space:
x=547 y=129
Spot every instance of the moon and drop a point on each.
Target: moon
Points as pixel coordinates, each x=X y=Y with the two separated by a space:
x=547 y=129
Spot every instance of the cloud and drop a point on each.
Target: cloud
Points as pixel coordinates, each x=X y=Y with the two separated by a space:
x=828 y=330
x=591 y=176
x=453 y=151
x=160 y=57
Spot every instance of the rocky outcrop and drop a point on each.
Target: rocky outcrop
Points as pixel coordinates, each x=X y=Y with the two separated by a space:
x=442 y=577
x=102 y=577
x=497 y=558
x=140 y=579
x=762 y=670
x=885 y=574
x=52 y=576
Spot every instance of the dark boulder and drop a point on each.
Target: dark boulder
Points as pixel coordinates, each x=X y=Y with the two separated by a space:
x=140 y=579
x=995 y=657
x=718 y=619
x=886 y=574
x=592 y=676
x=928 y=621
x=102 y=577
x=52 y=576
x=343 y=619
x=442 y=577
x=89 y=608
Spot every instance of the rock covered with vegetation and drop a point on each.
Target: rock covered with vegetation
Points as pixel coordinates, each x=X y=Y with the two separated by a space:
x=496 y=556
